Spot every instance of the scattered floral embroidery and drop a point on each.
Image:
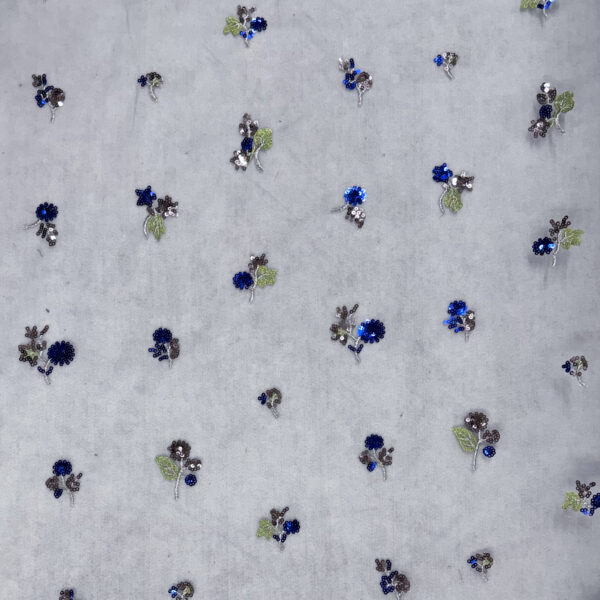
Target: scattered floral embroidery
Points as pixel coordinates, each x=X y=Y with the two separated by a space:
x=482 y=563
x=453 y=186
x=461 y=318
x=271 y=398
x=64 y=480
x=447 y=60
x=166 y=347
x=355 y=79
x=253 y=141
x=45 y=213
x=155 y=220
x=245 y=24
x=47 y=94
x=582 y=500
x=178 y=464
x=259 y=275
x=66 y=595
x=181 y=591
x=552 y=106
x=477 y=422
x=277 y=528
x=353 y=199
x=561 y=236
x=152 y=80
x=59 y=353
x=376 y=454
x=368 y=332
x=543 y=5
x=575 y=366
x=391 y=581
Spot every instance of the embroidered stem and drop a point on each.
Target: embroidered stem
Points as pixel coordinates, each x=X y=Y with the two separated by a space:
x=558 y=241
x=448 y=70
x=479 y=440
x=441 y=201
x=52 y=113
x=580 y=380
x=253 y=273
x=152 y=94
x=178 y=479
x=145 y=226
x=32 y=225
x=45 y=367
x=339 y=209
x=275 y=412
x=557 y=123
x=255 y=155
x=168 y=347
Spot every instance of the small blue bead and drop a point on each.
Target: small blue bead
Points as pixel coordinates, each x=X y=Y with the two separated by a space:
x=489 y=451
x=190 y=480
x=58 y=493
x=371 y=466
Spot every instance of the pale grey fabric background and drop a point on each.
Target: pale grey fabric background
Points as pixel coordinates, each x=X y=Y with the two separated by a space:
x=106 y=288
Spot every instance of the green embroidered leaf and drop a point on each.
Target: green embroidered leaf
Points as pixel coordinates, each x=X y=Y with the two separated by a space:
x=452 y=200
x=168 y=467
x=572 y=501
x=263 y=139
x=571 y=237
x=30 y=354
x=156 y=224
x=564 y=103
x=529 y=4
x=233 y=26
x=466 y=438
x=265 y=529
x=265 y=276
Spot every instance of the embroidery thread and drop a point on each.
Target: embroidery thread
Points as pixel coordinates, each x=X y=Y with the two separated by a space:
x=469 y=442
x=552 y=106
x=391 y=581
x=447 y=60
x=482 y=563
x=166 y=347
x=582 y=500
x=376 y=454
x=245 y=24
x=353 y=198
x=178 y=464
x=259 y=275
x=575 y=366
x=543 y=5
x=561 y=236
x=355 y=79
x=368 y=332
x=155 y=220
x=181 y=591
x=453 y=186
x=277 y=528
x=45 y=213
x=64 y=480
x=461 y=318
x=153 y=80
x=271 y=398
x=47 y=94
x=254 y=140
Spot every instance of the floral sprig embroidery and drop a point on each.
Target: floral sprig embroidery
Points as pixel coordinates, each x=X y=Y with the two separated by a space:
x=552 y=106
x=253 y=141
x=60 y=353
x=155 y=220
x=391 y=581
x=271 y=398
x=166 y=347
x=353 y=199
x=47 y=94
x=543 y=5
x=277 y=527
x=453 y=186
x=461 y=318
x=482 y=563
x=376 y=454
x=245 y=24
x=561 y=236
x=152 y=80
x=64 y=480
x=45 y=213
x=370 y=331
x=178 y=464
x=447 y=60
x=66 y=595
x=582 y=500
x=476 y=422
x=575 y=366
x=260 y=275
x=355 y=79
x=181 y=591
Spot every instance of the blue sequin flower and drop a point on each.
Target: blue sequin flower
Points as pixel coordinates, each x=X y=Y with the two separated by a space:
x=489 y=451
x=62 y=467
x=162 y=335
x=439 y=60
x=452 y=187
x=355 y=195
x=247 y=144
x=47 y=95
x=441 y=173
x=46 y=212
x=145 y=197
x=245 y=24
x=277 y=527
x=259 y=275
x=461 y=318
x=143 y=80
x=353 y=198
x=376 y=454
x=179 y=465
x=61 y=353
x=447 y=60
x=182 y=591
x=561 y=236
x=155 y=219
x=545 y=111
x=391 y=581
x=371 y=331
x=292 y=527
x=355 y=79
x=64 y=480
x=374 y=442
x=543 y=246
x=243 y=280
x=258 y=24
x=166 y=347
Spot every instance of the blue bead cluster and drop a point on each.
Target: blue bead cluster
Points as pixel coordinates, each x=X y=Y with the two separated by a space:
x=439 y=60
x=257 y=25
x=46 y=212
x=489 y=451
x=457 y=310
x=247 y=144
x=161 y=337
x=441 y=173
x=472 y=561
x=545 y=5
x=290 y=528
x=594 y=506
x=373 y=442
x=355 y=195
x=243 y=280
x=371 y=331
x=143 y=80
x=263 y=398
x=173 y=591
x=62 y=468
x=545 y=111
x=387 y=582
x=190 y=480
x=543 y=246
x=350 y=76
x=145 y=197
x=567 y=366
x=61 y=353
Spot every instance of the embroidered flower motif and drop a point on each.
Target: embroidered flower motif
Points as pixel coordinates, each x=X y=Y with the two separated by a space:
x=552 y=106
x=152 y=80
x=355 y=79
x=181 y=591
x=63 y=479
x=60 y=353
x=575 y=366
x=353 y=198
x=66 y=595
x=277 y=527
x=259 y=275
x=271 y=398
x=391 y=581
x=369 y=332
x=543 y=5
x=582 y=500
x=482 y=563
x=47 y=94
x=453 y=186
x=254 y=140
x=178 y=464
x=461 y=318
x=155 y=220
x=166 y=347
x=476 y=423
x=561 y=236
x=375 y=454
x=45 y=213
x=447 y=60
x=245 y=24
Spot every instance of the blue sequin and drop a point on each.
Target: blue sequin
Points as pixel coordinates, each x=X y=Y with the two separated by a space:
x=489 y=451
x=543 y=246
x=46 y=212
x=162 y=335
x=247 y=144
x=258 y=24
x=143 y=80
x=145 y=197
x=371 y=331
x=373 y=442
x=545 y=111
x=371 y=466
x=439 y=60
x=58 y=493
x=190 y=480
x=173 y=591
x=62 y=467
x=291 y=527
x=441 y=173
x=355 y=195
x=61 y=353
x=243 y=280
x=387 y=582
x=457 y=308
